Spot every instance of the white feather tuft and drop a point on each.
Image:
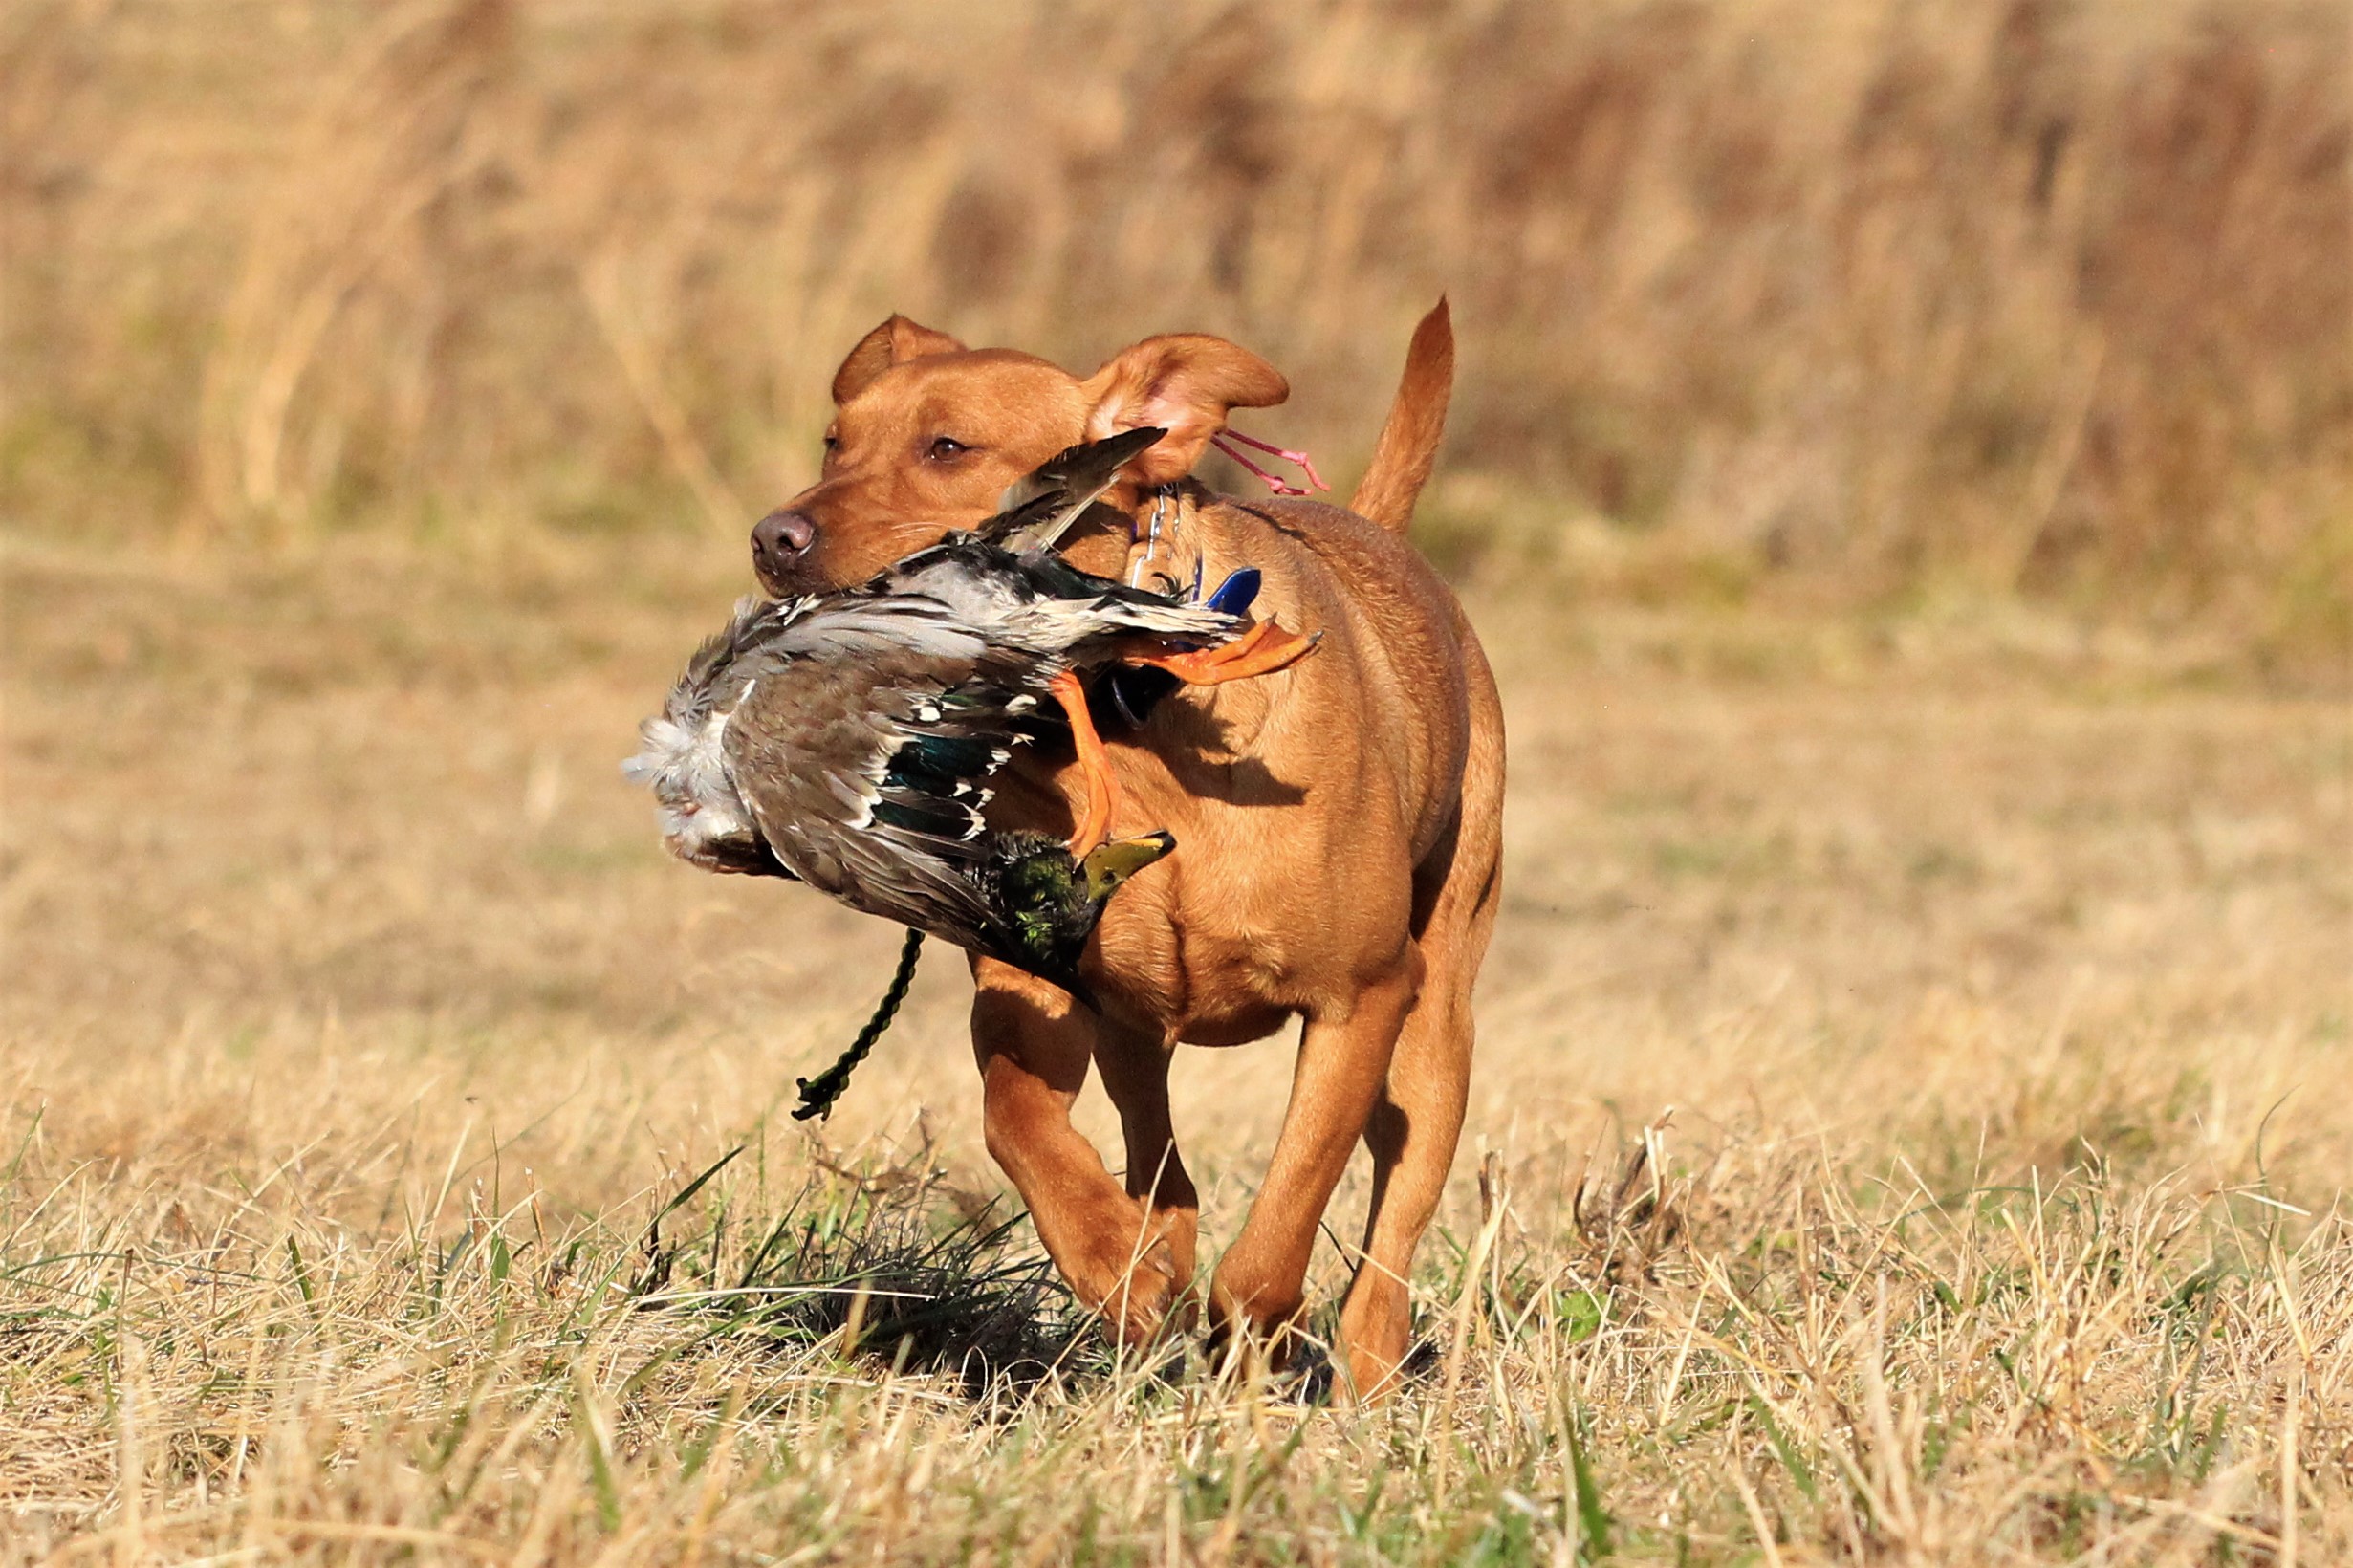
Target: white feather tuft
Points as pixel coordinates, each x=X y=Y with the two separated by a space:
x=694 y=792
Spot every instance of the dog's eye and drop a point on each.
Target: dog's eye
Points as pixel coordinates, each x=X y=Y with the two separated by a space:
x=945 y=447
x=833 y=442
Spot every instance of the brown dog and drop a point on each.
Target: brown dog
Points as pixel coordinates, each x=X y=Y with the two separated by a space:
x=1339 y=822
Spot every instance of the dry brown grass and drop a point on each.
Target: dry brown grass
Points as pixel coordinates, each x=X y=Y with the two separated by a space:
x=356 y=1027
x=1881 y=298
x=382 y=390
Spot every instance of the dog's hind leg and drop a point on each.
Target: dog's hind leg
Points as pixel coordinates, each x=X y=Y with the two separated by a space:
x=1261 y=1281
x=1411 y=1132
x=1414 y=1127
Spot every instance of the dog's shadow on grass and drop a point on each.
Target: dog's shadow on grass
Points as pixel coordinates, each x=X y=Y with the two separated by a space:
x=885 y=1267
x=966 y=1301
x=897 y=1271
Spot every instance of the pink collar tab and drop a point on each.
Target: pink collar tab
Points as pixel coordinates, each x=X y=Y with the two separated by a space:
x=1279 y=486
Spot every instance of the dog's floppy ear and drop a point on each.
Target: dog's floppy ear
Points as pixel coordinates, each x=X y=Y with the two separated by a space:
x=895 y=341
x=1184 y=383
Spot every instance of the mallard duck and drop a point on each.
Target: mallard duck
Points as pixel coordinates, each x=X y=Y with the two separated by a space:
x=848 y=739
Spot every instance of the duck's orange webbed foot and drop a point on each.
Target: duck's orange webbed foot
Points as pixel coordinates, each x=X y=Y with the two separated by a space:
x=1261 y=650
x=1102 y=790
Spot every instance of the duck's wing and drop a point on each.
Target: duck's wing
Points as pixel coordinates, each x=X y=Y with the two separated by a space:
x=864 y=748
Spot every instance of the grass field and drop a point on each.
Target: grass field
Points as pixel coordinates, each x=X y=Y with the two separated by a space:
x=355 y=1030
x=1902 y=465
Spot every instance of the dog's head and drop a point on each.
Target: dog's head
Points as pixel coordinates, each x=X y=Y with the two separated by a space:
x=926 y=434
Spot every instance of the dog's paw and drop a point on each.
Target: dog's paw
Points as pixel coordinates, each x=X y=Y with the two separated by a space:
x=1133 y=1289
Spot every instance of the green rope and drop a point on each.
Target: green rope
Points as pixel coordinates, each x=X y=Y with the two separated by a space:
x=819 y=1093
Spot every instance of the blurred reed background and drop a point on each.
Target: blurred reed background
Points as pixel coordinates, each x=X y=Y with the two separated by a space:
x=1929 y=811
x=1858 y=302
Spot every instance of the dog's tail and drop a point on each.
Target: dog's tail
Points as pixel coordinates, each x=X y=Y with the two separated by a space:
x=1408 y=445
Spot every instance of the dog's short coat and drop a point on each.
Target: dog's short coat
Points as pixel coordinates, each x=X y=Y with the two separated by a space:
x=1339 y=822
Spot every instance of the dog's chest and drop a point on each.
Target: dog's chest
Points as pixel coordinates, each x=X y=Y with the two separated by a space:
x=1197 y=954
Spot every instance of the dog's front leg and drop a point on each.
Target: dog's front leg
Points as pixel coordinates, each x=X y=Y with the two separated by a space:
x=1260 y=1283
x=1034 y=1044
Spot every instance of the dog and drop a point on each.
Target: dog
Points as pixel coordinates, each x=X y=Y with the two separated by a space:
x=1339 y=820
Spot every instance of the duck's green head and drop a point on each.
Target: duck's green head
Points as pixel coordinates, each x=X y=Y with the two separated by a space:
x=1052 y=901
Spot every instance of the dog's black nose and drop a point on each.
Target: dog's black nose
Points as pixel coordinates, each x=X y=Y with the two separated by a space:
x=781 y=539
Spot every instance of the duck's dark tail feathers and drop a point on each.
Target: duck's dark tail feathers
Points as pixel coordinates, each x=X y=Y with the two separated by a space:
x=1038 y=509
